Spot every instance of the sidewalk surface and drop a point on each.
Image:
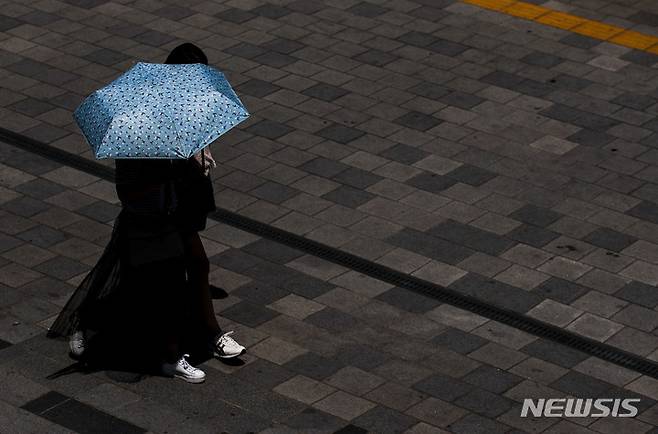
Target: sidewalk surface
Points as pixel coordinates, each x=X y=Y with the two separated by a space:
x=497 y=156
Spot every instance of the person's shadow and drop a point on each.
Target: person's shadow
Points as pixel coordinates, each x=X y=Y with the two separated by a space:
x=128 y=360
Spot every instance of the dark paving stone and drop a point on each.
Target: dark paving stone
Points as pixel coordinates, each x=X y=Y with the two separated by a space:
x=106 y=57
x=8 y=23
x=333 y=320
x=357 y=178
x=31 y=107
x=404 y=154
x=154 y=38
x=430 y=13
x=435 y=248
x=476 y=424
x=430 y=90
x=307 y=286
x=462 y=100
x=323 y=167
x=485 y=403
x=269 y=129
x=594 y=122
x=447 y=48
x=368 y=10
x=349 y=196
x=580 y=41
x=644 y=17
x=589 y=137
x=640 y=57
x=351 y=429
x=561 y=112
x=609 y=239
x=554 y=353
x=100 y=211
x=431 y=182
x=418 y=39
x=61 y=268
x=29 y=68
x=8 y=242
x=635 y=101
x=496 y=293
x=492 y=379
x=560 y=290
x=325 y=92
x=535 y=215
x=249 y=314
x=307 y=7
x=260 y=293
x=275 y=274
x=69 y=101
x=126 y=30
x=264 y=373
x=570 y=82
x=459 y=341
x=581 y=385
x=42 y=236
x=285 y=46
x=272 y=251
x=246 y=50
x=543 y=60
x=471 y=175
x=313 y=366
x=311 y=418
x=234 y=15
x=274 y=192
x=639 y=293
x=271 y=11
x=645 y=210
x=535 y=88
x=443 y=387
x=472 y=237
x=235 y=260
x=274 y=59
x=175 y=13
x=532 y=235
x=408 y=300
x=502 y=79
x=382 y=419
x=40 y=188
x=417 y=121
x=376 y=57
x=77 y=416
x=44 y=402
x=25 y=206
x=361 y=356
x=340 y=133
x=86 y=4
x=257 y=88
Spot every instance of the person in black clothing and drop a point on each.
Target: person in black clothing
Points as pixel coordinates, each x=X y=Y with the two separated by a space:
x=149 y=290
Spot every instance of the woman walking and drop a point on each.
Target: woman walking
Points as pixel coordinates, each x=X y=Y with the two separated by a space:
x=149 y=290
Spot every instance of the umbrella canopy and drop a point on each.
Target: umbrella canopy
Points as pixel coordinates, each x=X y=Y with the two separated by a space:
x=157 y=110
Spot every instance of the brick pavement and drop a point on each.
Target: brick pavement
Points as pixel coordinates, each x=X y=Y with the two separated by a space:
x=330 y=350
x=506 y=159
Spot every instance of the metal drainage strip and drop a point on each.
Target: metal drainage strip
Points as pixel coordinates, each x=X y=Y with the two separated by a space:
x=372 y=269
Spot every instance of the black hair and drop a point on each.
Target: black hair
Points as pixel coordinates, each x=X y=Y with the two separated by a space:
x=187 y=53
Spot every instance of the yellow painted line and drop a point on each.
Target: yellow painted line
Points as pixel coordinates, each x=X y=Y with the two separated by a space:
x=562 y=20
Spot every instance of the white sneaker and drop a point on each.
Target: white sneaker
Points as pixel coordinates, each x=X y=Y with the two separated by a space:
x=226 y=347
x=183 y=370
x=77 y=343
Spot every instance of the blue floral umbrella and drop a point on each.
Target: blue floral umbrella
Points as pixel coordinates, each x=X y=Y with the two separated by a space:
x=157 y=110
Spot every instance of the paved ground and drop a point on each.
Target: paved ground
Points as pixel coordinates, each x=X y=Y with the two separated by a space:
x=501 y=157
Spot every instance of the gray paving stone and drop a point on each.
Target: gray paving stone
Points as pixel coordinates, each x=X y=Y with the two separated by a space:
x=639 y=293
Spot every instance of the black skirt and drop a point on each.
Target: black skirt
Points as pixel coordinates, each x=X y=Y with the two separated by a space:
x=129 y=307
